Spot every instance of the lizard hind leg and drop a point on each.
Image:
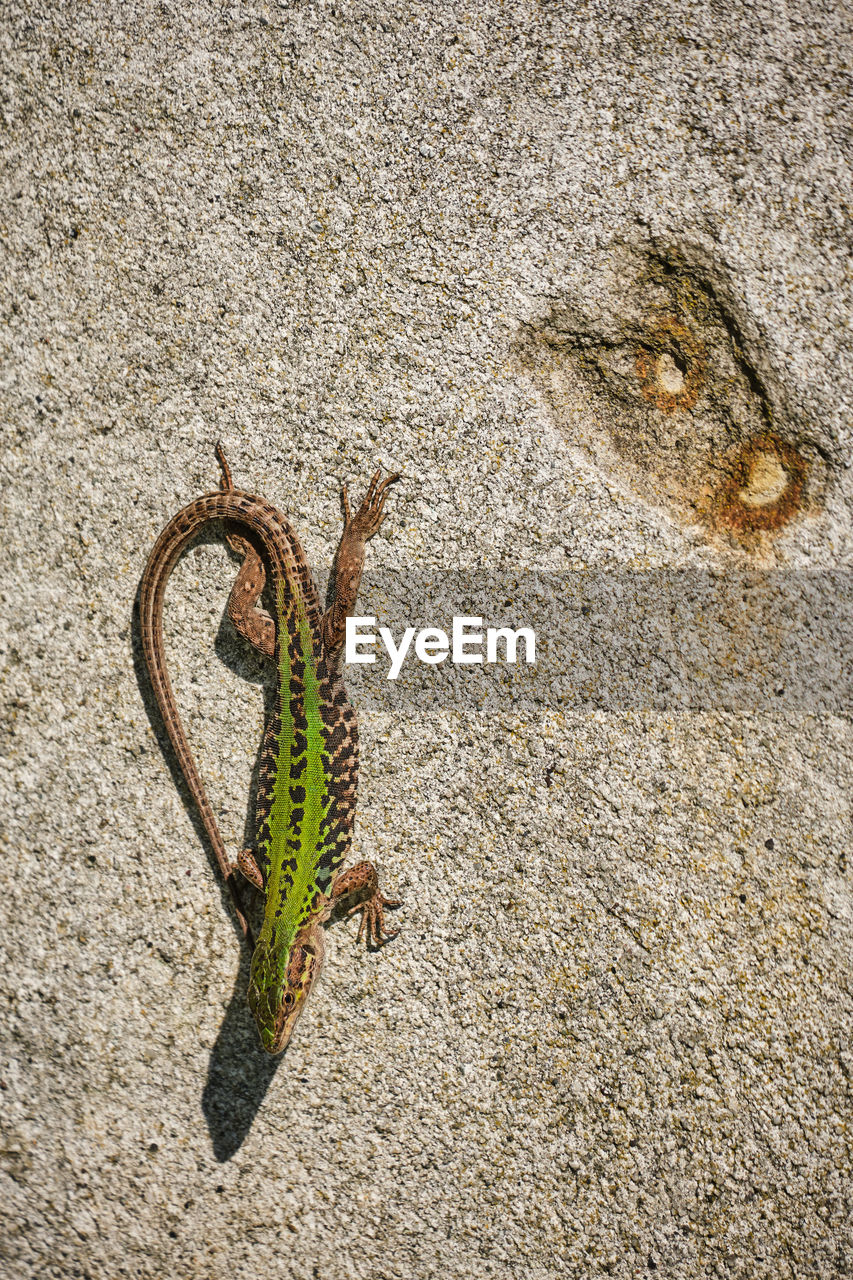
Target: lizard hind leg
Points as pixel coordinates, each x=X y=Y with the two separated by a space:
x=362 y=883
x=226 y=484
x=253 y=622
x=349 y=559
x=249 y=618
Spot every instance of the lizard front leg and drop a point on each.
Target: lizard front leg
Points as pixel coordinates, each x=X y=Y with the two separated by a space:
x=362 y=883
x=247 y=865
x=349 y=560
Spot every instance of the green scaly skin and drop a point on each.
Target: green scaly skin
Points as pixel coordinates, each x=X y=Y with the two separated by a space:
x=309 y=760
x=297 y=850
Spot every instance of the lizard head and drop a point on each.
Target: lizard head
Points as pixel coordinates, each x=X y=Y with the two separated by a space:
x=276 y=1002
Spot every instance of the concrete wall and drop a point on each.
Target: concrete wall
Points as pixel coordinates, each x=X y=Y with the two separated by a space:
x=580 y=272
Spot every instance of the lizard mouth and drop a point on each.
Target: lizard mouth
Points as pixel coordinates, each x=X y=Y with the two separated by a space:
x=286 y=1020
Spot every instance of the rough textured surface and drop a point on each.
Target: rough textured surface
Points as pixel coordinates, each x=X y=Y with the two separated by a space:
x=579 y=271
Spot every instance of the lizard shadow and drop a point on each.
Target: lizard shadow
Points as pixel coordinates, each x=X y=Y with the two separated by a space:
x=239 y=1072
x=238 y=1075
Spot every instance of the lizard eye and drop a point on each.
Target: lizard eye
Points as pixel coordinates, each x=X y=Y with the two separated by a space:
x=288 y=998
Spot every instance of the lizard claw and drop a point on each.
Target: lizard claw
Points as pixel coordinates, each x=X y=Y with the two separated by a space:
x=362 y=879
x=371 y=513
x=373 y=919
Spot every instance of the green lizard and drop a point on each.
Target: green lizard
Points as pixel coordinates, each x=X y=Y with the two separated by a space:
x=309 y=759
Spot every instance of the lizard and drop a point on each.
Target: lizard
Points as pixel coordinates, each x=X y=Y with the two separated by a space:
x=305 y=804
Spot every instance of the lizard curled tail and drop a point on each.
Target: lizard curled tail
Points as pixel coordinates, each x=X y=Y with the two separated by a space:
x=282 y=548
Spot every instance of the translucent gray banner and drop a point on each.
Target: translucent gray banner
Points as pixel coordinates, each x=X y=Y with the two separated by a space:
x=681 y=640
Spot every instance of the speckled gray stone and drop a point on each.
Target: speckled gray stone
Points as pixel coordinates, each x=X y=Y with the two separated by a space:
x=580 y=271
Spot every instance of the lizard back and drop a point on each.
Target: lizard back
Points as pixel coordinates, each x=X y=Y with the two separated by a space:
x=306 y=793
